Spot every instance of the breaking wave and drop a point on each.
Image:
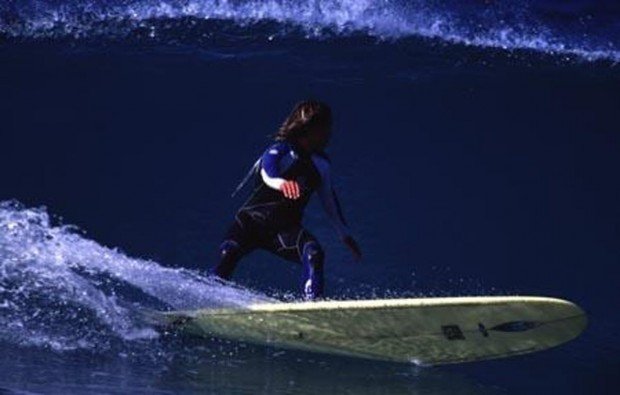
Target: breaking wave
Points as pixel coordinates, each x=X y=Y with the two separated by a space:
x=587 y=31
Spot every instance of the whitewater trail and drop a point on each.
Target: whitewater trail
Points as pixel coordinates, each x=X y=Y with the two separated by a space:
x=61 y=290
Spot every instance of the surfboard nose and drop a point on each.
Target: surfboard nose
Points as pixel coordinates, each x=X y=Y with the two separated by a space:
x=575 y=315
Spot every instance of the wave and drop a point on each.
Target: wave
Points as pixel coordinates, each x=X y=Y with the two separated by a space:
x=63 y=291
x=552 y=29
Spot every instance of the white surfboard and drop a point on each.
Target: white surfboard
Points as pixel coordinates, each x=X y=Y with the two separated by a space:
x=427 y=331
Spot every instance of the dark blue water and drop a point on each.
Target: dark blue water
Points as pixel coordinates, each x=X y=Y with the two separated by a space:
x=476 y=148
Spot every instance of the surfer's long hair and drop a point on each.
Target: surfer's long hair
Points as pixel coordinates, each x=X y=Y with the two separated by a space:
x=306 y=115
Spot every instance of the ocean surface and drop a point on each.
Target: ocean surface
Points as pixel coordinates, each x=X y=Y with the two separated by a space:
x=476 y=149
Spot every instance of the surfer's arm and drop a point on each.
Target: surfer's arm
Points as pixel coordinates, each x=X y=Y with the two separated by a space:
x=329 y=199
x=270 y=166
x=270 y=171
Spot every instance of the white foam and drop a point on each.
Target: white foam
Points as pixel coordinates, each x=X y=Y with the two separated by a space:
x=56 y=290
x=383 y=19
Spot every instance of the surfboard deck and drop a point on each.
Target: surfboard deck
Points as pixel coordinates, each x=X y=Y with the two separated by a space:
x=425 y=331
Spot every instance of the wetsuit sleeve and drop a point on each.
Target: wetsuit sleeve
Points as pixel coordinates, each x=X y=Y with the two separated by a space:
x=270 y=165
x=328 y=197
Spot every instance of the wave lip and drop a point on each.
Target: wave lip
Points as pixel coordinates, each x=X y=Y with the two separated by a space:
x=501 y=24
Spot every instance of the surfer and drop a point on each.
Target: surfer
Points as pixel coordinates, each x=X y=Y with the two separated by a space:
x=287 y=174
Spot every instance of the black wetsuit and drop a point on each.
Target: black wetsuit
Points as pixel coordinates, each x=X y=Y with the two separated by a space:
x=270 y=221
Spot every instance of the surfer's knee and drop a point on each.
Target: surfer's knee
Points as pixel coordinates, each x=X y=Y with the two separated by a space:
x=313 y=255
x=229 y=252
x=313 y=258
x=229 y=249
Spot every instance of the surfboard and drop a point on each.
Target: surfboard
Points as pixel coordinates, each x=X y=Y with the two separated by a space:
x=425 y=331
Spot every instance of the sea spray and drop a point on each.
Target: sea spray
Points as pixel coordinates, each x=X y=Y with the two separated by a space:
x=505 y=25
x=61 y=290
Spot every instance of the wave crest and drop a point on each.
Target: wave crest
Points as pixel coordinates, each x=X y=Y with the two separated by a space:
x=499 y=24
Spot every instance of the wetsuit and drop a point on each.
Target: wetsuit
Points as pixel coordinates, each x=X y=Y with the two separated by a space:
x=270 y=221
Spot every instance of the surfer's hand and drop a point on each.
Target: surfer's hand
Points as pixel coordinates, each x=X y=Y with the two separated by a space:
x=290 y=189
x=353 y=247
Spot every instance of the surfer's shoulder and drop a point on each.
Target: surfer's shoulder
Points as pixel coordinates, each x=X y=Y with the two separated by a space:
x=321 y=162
x=278 y=148
x=322 y=155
